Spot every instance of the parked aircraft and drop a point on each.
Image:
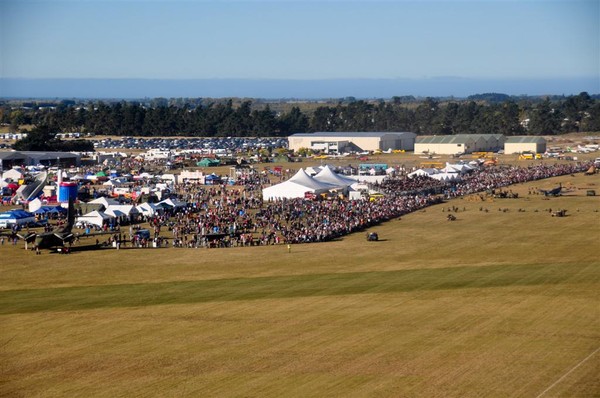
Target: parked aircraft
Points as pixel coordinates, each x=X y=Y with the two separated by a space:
x=59 y=237
x=552 y=192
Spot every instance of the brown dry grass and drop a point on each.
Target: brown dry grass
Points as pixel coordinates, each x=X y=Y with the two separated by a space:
x=497 y=303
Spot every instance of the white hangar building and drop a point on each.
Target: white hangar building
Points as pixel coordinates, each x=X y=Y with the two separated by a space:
x=519 y=144
x=460 y=143
x=339 y=142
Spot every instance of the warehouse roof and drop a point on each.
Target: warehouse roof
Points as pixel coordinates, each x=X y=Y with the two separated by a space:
x=526 y=139
x=457 y=139
x=338 y=134
x=446 y=139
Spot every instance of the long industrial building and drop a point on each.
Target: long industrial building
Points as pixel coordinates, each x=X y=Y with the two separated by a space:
x=340 y=142
x=9 y=159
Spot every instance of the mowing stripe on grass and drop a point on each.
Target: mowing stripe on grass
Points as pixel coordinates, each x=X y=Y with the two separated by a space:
x=135 y=295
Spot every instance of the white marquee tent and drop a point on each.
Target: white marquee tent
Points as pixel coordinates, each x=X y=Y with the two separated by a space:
x=296 y=187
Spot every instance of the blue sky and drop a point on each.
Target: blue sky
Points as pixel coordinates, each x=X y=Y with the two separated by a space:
x=503 y=39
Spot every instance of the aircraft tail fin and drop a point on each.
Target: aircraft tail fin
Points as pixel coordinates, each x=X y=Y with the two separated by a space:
x=70 y=214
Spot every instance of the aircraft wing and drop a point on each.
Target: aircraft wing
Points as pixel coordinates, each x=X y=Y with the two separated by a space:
x=29 y=238
x=64 y=237
x=84 y=235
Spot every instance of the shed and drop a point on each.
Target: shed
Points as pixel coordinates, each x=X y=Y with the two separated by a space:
x=520 y=144
x=338 y=142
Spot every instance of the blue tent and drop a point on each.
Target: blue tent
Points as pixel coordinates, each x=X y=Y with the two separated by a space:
x=50 y=209
x=16 y=217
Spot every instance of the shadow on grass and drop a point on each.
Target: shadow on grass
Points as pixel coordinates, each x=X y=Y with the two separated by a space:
x=281 y=287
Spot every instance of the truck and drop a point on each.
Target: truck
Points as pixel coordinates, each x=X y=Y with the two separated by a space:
x=530 y=156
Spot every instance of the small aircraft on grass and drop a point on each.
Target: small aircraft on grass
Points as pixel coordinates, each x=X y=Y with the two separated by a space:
x=59 y=237
x=552 y=192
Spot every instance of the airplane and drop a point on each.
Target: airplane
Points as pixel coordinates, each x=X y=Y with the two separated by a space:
x=552 y=192
x=59 y=237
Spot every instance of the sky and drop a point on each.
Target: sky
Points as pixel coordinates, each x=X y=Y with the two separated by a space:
x=300 y=40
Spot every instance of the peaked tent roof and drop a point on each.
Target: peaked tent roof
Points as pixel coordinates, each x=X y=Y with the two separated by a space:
x=17 y=214
x=125 y=209
x=172 y=202
x=115 y=212
x=327 y=175
x=96 y=213
x=104 y=201
x=146 y=208
x=307 y=181
x=424 y=172
x=457 y=168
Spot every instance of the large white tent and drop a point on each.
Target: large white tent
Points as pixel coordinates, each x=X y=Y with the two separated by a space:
x=296 y=187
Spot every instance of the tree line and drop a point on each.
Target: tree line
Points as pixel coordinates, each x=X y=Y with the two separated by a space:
x=484 y=114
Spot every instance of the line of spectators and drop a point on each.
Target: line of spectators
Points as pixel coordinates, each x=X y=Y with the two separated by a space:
x=220 y=216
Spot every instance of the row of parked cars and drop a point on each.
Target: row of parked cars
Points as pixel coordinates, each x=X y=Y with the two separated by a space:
x=226 y=143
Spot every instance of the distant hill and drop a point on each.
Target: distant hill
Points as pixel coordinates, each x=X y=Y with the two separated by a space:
x=300 y=89
x=489 y=97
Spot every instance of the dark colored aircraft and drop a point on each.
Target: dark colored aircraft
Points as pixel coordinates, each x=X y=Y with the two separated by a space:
x=552 y=192
x=59 y=237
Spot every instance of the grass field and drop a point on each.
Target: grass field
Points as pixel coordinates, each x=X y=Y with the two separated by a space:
x=495 y=304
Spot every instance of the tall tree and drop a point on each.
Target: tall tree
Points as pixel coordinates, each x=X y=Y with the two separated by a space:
x=544 y=119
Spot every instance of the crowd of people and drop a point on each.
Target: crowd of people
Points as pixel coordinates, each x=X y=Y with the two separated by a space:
x=221 y=216
x=235 y=215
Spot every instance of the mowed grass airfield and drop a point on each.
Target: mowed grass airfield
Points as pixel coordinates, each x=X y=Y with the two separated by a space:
x=497 y=303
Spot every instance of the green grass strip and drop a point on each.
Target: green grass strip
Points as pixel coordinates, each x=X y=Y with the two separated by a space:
x=281 y=287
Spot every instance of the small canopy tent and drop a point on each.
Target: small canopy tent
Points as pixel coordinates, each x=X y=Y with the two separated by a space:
x=115 y=213
x=127 y=210
x=207 y=162
x=173 y=203
x=14 y=174
x=50 y=210
x=147 y=209
x=94 y=218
